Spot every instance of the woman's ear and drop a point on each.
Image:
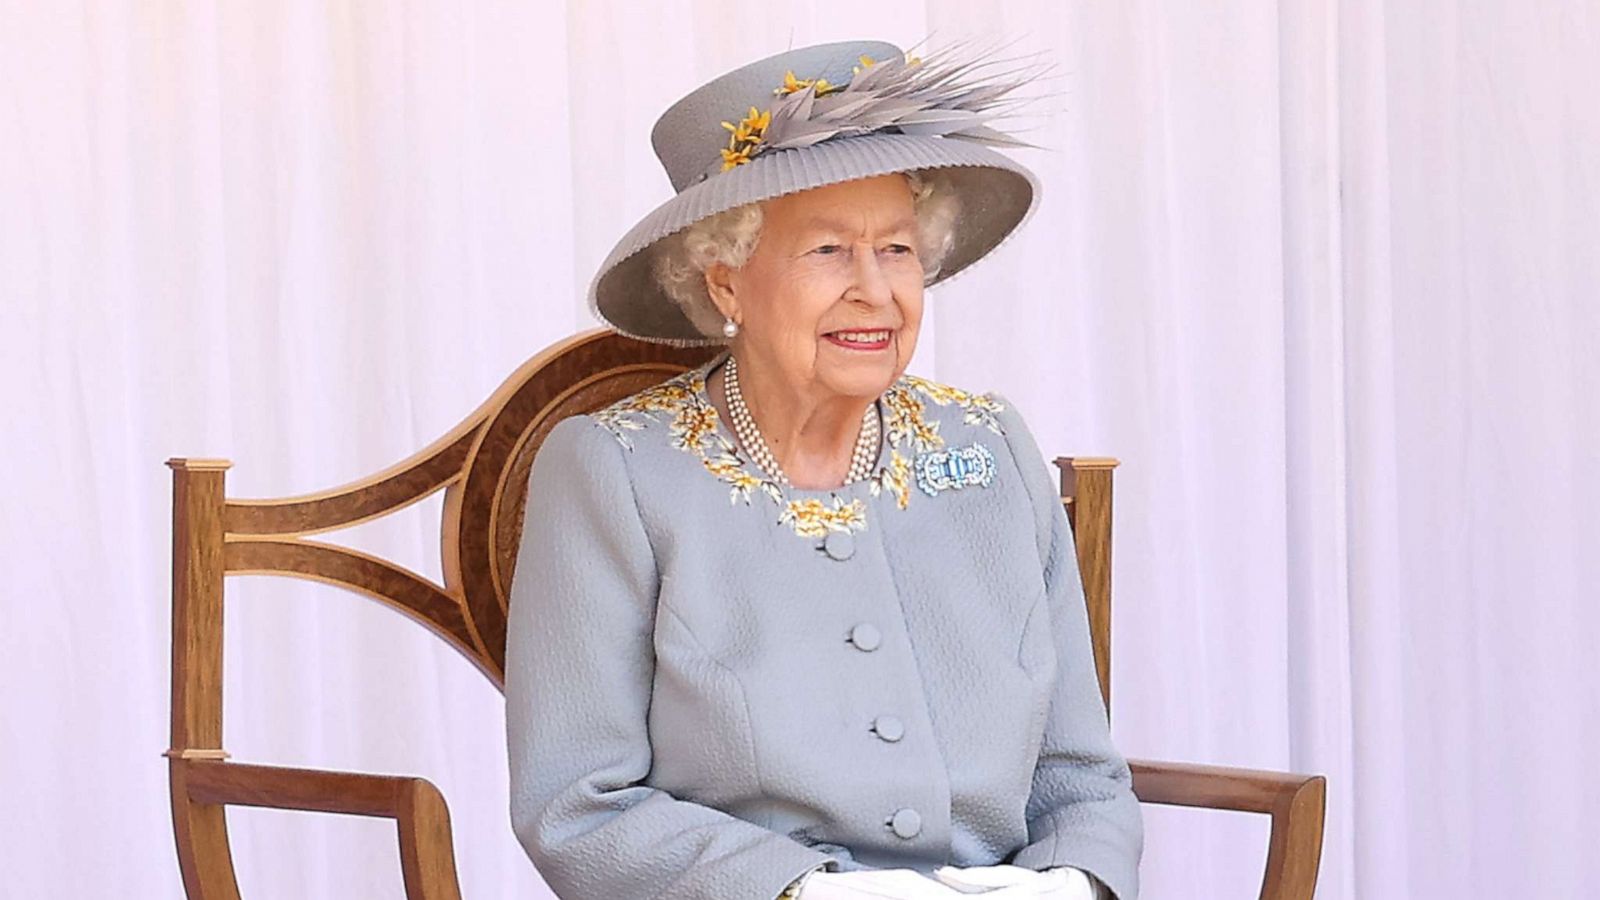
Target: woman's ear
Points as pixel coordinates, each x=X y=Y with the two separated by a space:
x=719 y=286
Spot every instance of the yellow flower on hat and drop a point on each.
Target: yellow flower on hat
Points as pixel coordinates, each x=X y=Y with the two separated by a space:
x=745 y=137
x=749 y=129
x=793 y=85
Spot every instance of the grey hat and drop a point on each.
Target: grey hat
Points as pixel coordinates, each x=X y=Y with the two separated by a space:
x=862 y=109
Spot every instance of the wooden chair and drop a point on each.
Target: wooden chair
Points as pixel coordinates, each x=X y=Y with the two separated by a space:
x=482 y=465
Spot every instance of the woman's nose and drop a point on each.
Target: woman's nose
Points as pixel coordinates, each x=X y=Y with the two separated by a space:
x=871 y=284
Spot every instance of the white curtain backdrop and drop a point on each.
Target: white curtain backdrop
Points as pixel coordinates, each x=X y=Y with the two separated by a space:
x=1325 y=275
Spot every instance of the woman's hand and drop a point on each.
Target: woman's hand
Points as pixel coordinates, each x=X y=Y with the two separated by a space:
x=1059 y=883
x=906 y=884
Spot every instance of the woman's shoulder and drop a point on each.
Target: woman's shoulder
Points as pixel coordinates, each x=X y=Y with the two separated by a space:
x=940 y=417
x=675 y=409
x=913 y=398
x=603 y=441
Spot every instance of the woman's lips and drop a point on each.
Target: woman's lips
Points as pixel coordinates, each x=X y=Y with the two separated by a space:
x=860 y=339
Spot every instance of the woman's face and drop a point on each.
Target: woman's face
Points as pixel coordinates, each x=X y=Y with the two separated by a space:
x=830 y=300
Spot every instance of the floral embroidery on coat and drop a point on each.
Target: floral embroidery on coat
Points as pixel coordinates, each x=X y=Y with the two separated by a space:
x=683 y=404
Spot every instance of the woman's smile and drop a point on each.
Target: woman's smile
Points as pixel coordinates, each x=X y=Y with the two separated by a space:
x=860 y=340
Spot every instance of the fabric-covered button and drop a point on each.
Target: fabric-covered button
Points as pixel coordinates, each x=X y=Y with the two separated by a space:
x=839 y=545
x=889 y=728
x=866 y=637
x=906 y=823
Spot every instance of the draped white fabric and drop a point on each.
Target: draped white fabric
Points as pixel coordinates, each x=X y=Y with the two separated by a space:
x=1323 y=275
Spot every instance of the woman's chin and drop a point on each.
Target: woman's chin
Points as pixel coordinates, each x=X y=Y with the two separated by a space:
x=860 y=373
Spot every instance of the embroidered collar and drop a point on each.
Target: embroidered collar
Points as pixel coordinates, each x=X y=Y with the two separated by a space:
x=682 y=402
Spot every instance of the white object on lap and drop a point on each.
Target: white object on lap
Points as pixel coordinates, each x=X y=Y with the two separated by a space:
x=902 y=884
x=1059 y=883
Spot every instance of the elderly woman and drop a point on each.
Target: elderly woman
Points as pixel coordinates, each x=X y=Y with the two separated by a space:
x=795 y=623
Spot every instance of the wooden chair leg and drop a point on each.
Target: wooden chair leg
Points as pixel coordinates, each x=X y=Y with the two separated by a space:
x=426 y=857
x=201 y=831
x=1294 y=852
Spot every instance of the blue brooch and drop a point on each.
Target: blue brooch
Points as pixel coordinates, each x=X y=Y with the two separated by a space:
x=958 y=467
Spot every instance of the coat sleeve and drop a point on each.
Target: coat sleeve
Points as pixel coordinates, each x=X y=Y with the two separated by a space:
x=580 y=665
x=1081 y=811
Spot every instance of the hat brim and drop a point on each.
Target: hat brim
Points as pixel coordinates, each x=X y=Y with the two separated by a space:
x=995 y=193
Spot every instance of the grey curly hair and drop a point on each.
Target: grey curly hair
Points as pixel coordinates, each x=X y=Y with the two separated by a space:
x=730 y=237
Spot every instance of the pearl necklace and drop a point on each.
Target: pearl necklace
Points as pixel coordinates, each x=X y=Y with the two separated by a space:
x=744 y=428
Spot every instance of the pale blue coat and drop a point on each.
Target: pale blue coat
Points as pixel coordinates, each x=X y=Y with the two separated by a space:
x=715 y=684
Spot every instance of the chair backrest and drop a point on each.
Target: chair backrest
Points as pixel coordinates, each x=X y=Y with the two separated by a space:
x=482 y=465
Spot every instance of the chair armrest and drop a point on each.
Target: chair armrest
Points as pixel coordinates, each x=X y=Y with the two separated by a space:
x=427 y=857
x=1296 y=804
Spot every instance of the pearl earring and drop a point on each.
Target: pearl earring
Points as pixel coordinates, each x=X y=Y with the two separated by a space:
x=729 y=328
